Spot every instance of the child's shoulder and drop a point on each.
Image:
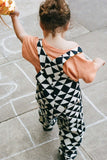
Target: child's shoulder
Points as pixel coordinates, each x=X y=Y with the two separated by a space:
x=72 y=44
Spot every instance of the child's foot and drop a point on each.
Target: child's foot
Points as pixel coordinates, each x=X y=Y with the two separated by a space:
x=49 y=127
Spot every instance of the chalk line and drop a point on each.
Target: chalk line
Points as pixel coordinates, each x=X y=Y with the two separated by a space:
x=92 y=104
x=15 y=99
x=13 y=89
x=4 y=105
x=26 y=95
x=5 y=48
x=28 y=149
x=33 y=102
x=25 y=74
x=95 y=123
x=11 y=62
x=22 y=123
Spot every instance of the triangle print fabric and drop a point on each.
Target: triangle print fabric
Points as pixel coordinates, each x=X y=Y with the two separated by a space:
x=60 y=97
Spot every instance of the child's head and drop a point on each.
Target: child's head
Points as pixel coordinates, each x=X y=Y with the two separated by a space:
x=54 y=14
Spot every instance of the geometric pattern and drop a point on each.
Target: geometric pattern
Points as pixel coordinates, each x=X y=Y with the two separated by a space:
x=60 y=98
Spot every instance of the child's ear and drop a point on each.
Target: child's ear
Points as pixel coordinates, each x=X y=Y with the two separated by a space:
x=41 y=25
x=67 y=26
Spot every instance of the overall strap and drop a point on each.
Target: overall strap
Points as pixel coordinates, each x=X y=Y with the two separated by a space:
x=70 y=54
x=42 y=55
x=63 y=58
x=59 y=60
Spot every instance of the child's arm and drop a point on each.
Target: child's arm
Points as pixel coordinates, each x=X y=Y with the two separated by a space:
x=19 y=30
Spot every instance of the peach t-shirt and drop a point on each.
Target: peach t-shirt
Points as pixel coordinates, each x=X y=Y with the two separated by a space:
x=77 y=67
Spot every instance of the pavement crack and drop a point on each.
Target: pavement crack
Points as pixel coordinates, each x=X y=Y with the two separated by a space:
x=18 y=115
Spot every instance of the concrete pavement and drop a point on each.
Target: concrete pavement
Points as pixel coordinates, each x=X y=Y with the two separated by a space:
x=21 y=135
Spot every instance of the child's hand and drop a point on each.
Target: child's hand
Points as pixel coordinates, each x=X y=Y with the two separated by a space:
x=15 y=13
x=100 y=62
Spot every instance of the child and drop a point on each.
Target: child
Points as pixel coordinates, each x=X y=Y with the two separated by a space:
x=59 y=64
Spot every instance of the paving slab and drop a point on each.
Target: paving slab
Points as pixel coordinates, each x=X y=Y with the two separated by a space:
x=6 y=112
x=25 y=104
x=11 y=52
x=12 y=134
x=3 y=59
x=98 y=95
x=94 y=43
x=90 y=114
x=75 y=30
x=95 y=141
x=28 y=69
x=91 y=14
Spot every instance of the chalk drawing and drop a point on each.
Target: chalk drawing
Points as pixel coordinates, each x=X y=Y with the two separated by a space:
x=10 y=91
x=11 y=62
x=26 y=95
x=33 y=102
x=95 y=123
x=25 y=74
x=27 y=131
x=4 y=105
x=4 y=46
x=29 y=149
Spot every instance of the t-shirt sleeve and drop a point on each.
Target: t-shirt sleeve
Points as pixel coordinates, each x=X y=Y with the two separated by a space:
x=29 y=50
x=86 y=68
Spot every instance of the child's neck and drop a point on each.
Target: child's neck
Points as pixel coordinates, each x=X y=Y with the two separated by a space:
x=49 y=37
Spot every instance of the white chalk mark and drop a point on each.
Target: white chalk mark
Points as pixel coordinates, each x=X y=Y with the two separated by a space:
x=90 y=102
x=25 y=74
x=18 y=153
x=15 y=99
x=46 y=142
x=28 y=149
x=33 y=102
x=26 y=95
x=11 y=62
x=12 y=89
x=83 y=157
x=5 y=48
x=22 y=123
x=95 y=123
x=4 y=105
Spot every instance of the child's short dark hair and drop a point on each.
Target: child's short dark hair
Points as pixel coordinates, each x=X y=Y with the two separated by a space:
x=53 y=14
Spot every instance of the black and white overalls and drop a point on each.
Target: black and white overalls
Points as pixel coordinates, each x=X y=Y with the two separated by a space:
x=60 y=98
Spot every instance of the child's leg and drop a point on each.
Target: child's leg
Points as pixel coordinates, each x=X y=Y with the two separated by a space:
x=44 y=118
x=71 y=131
